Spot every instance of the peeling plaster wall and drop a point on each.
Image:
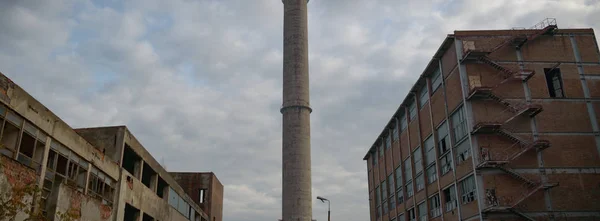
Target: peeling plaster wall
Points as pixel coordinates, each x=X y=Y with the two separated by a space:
x=82 y=206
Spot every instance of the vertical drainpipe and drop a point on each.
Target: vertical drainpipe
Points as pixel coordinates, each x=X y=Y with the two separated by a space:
x=586 y=92
x=469 y=117
x=534 y=132
x=447 y=119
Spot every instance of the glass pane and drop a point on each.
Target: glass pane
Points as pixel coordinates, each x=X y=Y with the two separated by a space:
x=14 y=119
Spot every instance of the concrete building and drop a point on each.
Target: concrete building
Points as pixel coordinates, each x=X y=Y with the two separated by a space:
x=296 y=184
x=501 y=125
x=96 y=174
x=205 y=190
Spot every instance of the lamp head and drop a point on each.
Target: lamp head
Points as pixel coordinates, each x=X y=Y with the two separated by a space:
x=322 y=199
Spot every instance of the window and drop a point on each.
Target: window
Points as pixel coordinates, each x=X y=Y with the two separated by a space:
x=420 y=181
x=101 y=186
x=449 y=199
x=388 y=142
x=418 y=159
x=459 y=124
x=374 y=158
x=446 y=162
x=399 y=192
x=436 y=79
x=398 y=177
x=554 y=82
x=422 y=211
x=423 y=96
x=431 y=174
x=409 y=189
x=401 y=217
x=10 y=134
x=434 y=206
x=201 y=195
x=443 y=140
x=384 y=192
x=392 y=198
x=395 y=132
x=467 y=189
x=380 y=147
x=407 y=170
x=412 y=110
x=411 y=214
x=179 y=203
x=403 y=123
x=377 y=196
x=463 y=152
x=429 y=151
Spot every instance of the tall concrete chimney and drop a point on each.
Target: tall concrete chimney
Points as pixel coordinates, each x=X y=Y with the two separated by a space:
x=297 y=197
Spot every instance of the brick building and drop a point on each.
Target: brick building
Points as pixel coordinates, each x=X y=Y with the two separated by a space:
x=97 y=174
x=205 y=190
x=501 y=125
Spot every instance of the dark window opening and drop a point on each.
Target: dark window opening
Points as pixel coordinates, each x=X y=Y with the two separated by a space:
x=162 y=188
x=10 y=136
x=61 y=164
x=148 y=176
x=554 y=82
x=131 y=213
x=131 y=161
x=147 y=217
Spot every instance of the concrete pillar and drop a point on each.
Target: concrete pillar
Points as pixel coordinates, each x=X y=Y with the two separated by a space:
x=297 y=197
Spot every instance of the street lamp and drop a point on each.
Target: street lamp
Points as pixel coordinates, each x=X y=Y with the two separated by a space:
x=328 y=207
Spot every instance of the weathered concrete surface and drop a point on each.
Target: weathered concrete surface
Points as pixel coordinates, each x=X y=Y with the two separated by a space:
x=297 y=197
x=82 y=207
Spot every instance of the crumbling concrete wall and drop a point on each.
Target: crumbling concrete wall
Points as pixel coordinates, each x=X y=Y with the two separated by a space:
x=108 y=140
x=82 y=207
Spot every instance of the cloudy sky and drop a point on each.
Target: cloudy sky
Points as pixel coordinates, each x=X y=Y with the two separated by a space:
x=199 y=81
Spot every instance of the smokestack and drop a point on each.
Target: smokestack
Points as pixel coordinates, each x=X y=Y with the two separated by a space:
x=296 y=197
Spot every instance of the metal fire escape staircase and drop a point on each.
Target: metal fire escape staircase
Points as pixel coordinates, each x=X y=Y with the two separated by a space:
x=517 y=109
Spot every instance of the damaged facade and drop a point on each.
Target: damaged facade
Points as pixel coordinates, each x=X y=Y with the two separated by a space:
x=501 y=125
x=97 y=174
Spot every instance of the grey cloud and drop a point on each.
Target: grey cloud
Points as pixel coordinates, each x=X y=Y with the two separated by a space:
x=199 y=82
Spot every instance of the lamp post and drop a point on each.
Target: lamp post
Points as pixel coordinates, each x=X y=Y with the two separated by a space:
x=328 y=207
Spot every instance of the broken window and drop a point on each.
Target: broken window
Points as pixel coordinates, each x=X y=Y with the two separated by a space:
x=449 y=199
x=467 y=189
x=411 y=214
x=446 y=162
x=162 y=188
x=399 y=190
x=131 y=213
x=10 y=134
x=31 y=149
x=148 y=176
x=435 y=206
x=147 y=217
x=443 y=139
x=131 y=161
x=101 y=186
x=463 y=152
x=459 y=124
x=431 y=174
x=554 y=82
x=77 y=171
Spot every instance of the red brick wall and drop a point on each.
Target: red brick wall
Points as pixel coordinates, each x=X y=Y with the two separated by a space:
x=571 y=151
x=453 y=90
x=587 y=51
x=594 y=87
x=413 y=127
x=449 y=61
x=438 y=107
x=554 y=118
x=576 y=191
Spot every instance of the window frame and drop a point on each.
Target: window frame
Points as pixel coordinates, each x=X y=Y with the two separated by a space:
x=468 y=190
x=423 y=96
x=436 y=79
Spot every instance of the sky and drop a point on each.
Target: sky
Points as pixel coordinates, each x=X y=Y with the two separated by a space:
x=199 y=82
